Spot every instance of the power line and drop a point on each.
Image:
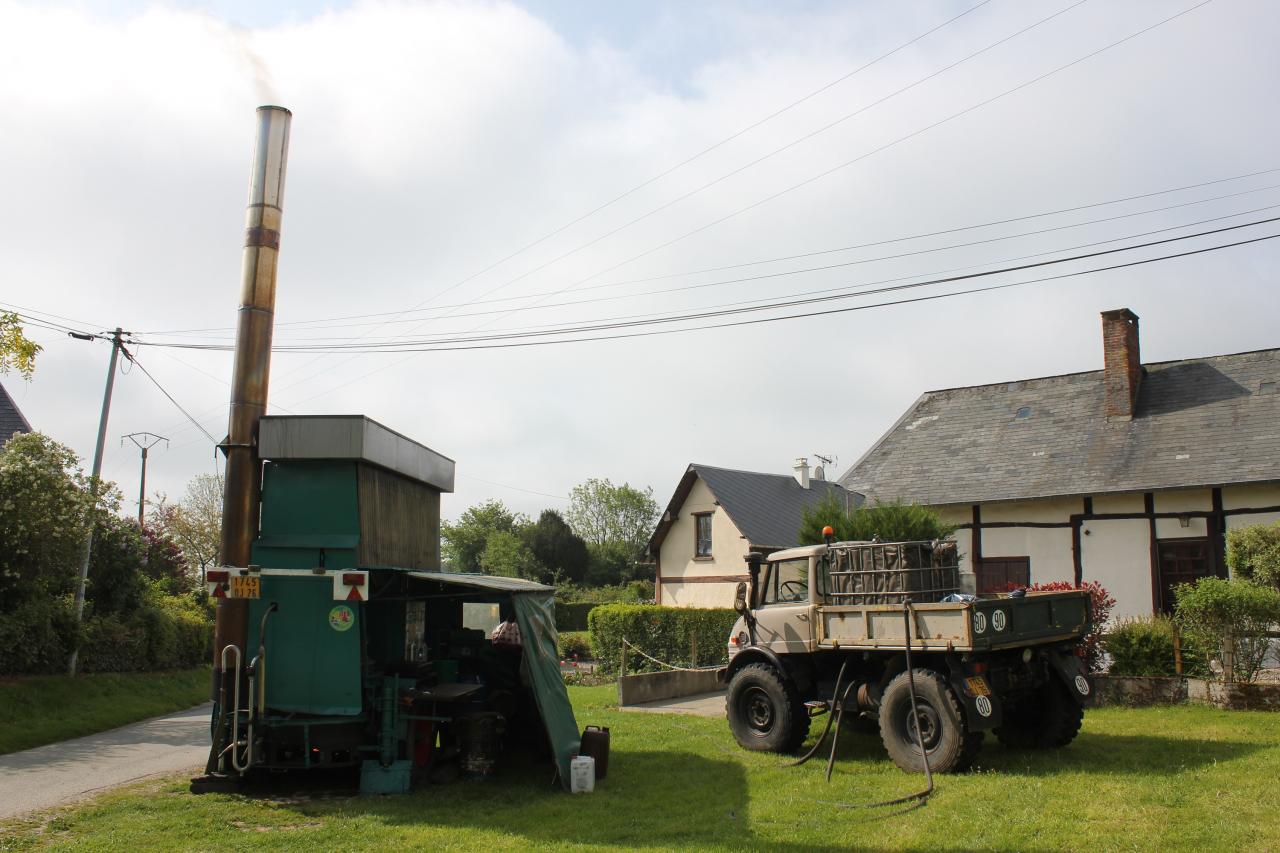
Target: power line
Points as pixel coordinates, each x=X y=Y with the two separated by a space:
x=735 y=135
x=776 y=151
x=825 y=267
x=155 y=382
x=877 y=150
x=829 y=311
x=785 y=303
x=723 y=177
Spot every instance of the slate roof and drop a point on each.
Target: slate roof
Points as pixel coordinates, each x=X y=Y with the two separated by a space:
x=1198 y=422
x=11 y=420
x=766 y=508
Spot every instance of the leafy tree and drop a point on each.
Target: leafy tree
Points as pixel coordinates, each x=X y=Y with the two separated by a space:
x=44 y=518
x=560 y=551
x=117 y=583
x=464 y=541
x=1253 y=553
x=194 y=524
x=602 y=513
x=505 y=553
x=611 y=563
x=16 y=351
x=889 y=522
x=164 y=563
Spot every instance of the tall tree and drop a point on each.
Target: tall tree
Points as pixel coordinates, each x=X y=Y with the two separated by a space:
x=195 y=522
x=17 y=352
x=464 y=541
x=602 y=513
x=505 y=553
x=560 y=551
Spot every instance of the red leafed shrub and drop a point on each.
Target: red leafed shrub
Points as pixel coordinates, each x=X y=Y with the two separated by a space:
x=1100 y=604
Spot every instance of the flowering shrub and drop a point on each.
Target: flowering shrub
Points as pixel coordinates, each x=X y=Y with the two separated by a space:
x=1100 y=604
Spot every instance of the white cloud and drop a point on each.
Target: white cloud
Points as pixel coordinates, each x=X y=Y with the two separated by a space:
x=432 y=139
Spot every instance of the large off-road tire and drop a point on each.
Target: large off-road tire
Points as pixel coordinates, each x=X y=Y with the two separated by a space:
x=765 y=712
x=1047 y=718
x=950 y=746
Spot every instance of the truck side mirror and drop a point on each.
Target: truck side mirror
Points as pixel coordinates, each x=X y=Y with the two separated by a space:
x=740 y=598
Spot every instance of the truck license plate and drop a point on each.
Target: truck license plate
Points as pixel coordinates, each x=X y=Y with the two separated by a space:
x=246 y=587
x=978 y=686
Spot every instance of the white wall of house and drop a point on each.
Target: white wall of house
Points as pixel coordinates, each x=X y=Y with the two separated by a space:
x=1114 y=551
x=689 y=581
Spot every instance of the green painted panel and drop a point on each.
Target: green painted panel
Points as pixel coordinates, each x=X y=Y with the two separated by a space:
x=308 y=507
x=313 y=646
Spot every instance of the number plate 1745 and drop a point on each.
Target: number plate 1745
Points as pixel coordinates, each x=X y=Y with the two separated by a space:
x=246 y=587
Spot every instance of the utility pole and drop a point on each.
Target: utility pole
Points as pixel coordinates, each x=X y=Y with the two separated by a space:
x=145 y=441
x=117 y=346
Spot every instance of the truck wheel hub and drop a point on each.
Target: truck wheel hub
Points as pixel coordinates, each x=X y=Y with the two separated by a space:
x=759 y=708
x=930 y=726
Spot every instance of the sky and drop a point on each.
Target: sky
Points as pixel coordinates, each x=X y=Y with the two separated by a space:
x=453 y=160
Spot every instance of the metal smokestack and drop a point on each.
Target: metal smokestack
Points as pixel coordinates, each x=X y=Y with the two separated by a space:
x=241 y=494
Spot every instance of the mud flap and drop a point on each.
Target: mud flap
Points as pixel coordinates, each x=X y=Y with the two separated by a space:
x=1070 y=669
x=982 y=708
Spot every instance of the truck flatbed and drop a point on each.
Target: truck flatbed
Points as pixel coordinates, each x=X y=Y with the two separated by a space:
x=983 y=625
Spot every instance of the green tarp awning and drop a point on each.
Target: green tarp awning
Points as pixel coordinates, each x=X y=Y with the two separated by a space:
x=534 y=605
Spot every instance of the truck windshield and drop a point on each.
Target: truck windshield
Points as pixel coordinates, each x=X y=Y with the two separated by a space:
x=786 y=583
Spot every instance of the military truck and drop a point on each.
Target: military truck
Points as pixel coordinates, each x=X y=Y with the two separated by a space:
x=830 y=628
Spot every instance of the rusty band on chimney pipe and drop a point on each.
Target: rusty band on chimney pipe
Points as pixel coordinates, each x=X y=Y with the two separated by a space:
x=266 y=237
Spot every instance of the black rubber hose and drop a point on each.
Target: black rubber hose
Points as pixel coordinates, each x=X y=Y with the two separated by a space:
x=813 y=750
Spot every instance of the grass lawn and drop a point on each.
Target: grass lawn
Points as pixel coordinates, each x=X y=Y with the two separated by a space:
x=1180 y=778
x=47 y=708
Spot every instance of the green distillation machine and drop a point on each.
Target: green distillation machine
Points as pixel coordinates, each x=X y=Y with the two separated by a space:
x=360 y=653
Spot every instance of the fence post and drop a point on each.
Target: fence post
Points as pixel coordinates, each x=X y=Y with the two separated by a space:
x=622 y=669
x=1177 y=651
x=693 y=650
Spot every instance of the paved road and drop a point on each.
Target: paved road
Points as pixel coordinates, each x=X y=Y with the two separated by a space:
x=49 y=776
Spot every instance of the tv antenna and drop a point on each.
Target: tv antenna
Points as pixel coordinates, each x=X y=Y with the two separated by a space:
x=820 y=473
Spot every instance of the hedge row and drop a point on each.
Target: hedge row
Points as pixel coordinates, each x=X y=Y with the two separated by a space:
x=572 y=615
x=680 y=636
x=165 y=633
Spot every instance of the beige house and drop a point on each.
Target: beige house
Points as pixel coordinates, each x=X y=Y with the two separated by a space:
x=1129 y=476
x=717 y=516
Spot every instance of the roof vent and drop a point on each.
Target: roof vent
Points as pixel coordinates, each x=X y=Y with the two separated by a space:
x=1023 y=413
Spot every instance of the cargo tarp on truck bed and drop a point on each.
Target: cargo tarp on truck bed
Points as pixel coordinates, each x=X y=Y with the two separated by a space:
x=534 y=606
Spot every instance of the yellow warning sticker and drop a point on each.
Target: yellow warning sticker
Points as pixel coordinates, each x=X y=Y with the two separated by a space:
x=978 y=686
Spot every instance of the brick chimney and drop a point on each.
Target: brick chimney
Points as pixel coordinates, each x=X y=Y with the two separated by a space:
x=1122 y=364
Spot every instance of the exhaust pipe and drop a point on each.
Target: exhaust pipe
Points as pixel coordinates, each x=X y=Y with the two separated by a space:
x=243 y=487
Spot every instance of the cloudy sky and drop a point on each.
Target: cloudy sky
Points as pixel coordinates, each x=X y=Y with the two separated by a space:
x=433 y=142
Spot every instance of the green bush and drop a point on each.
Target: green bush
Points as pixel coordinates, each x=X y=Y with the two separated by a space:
x=574 y=645
x=37 y=637
x=1229 y=621
x=1144 y=646
x=680 y=636
x=572 y=615
x=1253 y=553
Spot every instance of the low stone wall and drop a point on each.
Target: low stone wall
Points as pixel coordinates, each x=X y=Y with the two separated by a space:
x=1140 y=691
x=652 y=686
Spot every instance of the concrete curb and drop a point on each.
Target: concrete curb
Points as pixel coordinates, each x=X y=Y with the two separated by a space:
x=653 y=686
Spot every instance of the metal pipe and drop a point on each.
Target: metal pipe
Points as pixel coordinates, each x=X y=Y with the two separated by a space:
x=241 y=494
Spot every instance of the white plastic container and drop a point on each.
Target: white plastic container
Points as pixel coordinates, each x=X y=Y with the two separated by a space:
x=582 y=774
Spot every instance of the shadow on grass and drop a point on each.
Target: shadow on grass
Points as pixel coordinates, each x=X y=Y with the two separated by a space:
x=649 y=799
x=1090 y=752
